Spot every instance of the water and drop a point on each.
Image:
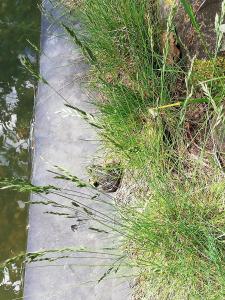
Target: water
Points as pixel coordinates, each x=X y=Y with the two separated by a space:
x=19 y=22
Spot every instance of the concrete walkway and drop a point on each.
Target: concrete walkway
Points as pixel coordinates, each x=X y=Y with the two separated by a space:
x=60 y=140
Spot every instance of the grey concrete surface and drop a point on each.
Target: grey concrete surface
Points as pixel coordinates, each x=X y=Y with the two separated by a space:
x=61 y=139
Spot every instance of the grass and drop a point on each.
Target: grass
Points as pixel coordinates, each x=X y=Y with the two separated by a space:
x=163 y=121
x=178 y=242
x=147 y=105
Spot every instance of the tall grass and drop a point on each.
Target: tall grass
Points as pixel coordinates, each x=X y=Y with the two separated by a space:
x=176 y=231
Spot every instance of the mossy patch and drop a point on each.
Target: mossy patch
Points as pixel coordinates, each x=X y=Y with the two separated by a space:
x=204 y=69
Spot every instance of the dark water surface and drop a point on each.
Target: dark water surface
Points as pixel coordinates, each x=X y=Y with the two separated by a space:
x=19 y=23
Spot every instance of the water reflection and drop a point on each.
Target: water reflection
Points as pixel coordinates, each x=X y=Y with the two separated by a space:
x=19 y=22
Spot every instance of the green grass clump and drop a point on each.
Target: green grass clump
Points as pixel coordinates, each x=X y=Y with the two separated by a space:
x=178 y=241
x=129 y=70
x=175 y=234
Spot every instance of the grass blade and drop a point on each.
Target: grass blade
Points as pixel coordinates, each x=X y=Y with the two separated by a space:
x=189 y=10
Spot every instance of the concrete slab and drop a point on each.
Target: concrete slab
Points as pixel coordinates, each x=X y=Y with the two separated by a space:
x=61 y=141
